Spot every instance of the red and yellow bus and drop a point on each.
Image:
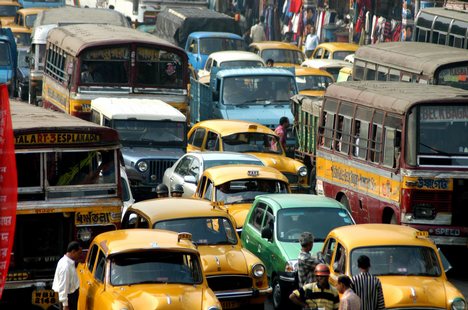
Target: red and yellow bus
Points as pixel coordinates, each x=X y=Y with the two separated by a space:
x=69 y=188
x=396 y=152
x=87 y=61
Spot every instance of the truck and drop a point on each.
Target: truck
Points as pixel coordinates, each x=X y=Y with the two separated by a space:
x=8 y=59
x=200 y=32
x=258 y=95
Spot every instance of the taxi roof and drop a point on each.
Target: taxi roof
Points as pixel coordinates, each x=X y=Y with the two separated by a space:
x=134 y=240
x=265 y=45
x=18 y=29
x=172 y=208
x=30 y=11
x=302 y=71
x=225 y=173
x=9 y=3
x=325 y=63
x=141 y=109
x=288 y=201
x=229 y=127
x=235 y=55
x=369 y=235
x=339 y=46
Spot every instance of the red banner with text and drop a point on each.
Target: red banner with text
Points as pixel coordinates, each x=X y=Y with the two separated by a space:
x=8 y=185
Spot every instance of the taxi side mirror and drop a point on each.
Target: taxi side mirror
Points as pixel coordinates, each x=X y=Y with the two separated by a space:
x=267 y=233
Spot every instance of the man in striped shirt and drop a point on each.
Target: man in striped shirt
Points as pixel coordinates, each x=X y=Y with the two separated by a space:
x=367 y=286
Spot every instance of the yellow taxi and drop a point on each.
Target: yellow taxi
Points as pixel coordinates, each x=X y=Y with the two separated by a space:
x=8 y=11
x=26 y=17
x=22 y=35
x=334 y=50
x=312 y=82
x=235 y=187
x=345 y=74
x=405 y=260
x=144 y=269
x=236 y=276
x=251 y=138
x=283 y=54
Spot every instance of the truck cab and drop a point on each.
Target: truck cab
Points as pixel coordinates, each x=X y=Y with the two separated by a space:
x=259 y=95
x=8 y=59
x=153 y=136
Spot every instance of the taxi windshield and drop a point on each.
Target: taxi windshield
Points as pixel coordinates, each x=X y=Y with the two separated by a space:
x=252 y=142
x=204 y=230
x=242 y=191
x=313 y=82
x=399 y=260
x=292 y=222
x=155 y=267
x=283 y=56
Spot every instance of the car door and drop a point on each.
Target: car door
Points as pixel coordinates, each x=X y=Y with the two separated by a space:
x=338 y=263
x=194 y=173
x=85 y=274
x=318 y=53
x=251 y=233
x=269 y=247
x=94 y=284
x=195 y=140
x=212 y=142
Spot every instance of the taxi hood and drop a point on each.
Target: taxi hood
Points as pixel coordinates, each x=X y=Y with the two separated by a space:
x=161 y=296
x=222 y=259
x=239 y=212
x=413 y=291
x=279 y=162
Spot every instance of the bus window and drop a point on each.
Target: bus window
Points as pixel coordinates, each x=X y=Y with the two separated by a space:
x=346 y=114
x=358 y=73
x=382 y=73
x=25 y=164
x=376 y=141
x=394 y=75
x=441 y=27
x=328 y=121
x=107 y=65
x=370 y=71
x=158 y=68
x=363 y=118
x=392 y=139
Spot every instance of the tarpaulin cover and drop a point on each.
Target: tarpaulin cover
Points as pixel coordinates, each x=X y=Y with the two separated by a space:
x=176 y=24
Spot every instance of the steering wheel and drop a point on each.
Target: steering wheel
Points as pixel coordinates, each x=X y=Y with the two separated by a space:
x=294 y=233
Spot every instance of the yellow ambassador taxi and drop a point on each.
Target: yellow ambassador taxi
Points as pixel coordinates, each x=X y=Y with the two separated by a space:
x=312 y=82
x=234 y=187
x=251 y=138
x=26 y=17
x=283 y=54
x=236 y=275
x=334 y=50
x=144 y=269
x=8 y=12
x=405 y=260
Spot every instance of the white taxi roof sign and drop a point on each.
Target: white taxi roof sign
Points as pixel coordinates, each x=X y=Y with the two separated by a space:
x=253 y=173
x=421 y=234
x=184 y=235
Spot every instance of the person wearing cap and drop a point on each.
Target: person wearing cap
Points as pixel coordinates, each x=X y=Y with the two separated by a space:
x=162 y=191
x=367 y=286
x=177 y=190
x=317 y=295
x=305 y=262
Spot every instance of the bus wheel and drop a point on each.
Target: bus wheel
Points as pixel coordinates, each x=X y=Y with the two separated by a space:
x=344 y=201
x=389 y=217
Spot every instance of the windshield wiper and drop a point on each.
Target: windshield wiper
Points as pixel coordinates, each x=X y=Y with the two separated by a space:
x=434 y=149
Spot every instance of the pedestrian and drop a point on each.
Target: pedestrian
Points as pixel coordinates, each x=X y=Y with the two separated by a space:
x=306 y=263
x=177 y=190
x=312 y=41
x=281 y=130
x=257 y=31
x=162 y=191
x=367 y=286
x=270 y=62
x=349 y=300
x=319 y=294
x=66 y=282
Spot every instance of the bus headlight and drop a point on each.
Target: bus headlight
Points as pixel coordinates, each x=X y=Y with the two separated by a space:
x=458 y=304
x=302 y=171
x=142 y=166
x=84 y=234
x=258 y=270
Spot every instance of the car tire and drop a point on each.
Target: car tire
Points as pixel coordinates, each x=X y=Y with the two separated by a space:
x=22 y=93
x=345 y=202
x=278 y=297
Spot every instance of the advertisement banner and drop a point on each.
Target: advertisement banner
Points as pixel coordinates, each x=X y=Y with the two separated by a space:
x=8 y=186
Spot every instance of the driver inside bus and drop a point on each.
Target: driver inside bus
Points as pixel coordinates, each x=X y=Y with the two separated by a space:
x=91 y=74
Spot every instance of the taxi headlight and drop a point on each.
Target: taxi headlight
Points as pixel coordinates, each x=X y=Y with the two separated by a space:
x=84 y=234
x=258 y=270
x=142 y=166
x=214 y=308
x=458 y=304
x=302 y=171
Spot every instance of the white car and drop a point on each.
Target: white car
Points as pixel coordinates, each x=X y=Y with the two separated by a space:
x=332 y=66
x=188 y=170
x=229 y=59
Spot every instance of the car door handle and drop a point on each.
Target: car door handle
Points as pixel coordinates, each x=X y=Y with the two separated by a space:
x=171 y=179
x=246 y=239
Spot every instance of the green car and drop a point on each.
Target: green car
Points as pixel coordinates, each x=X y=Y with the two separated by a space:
x=272 y=229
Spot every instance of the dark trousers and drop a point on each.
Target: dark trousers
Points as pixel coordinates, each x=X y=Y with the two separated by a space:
x=72 y=300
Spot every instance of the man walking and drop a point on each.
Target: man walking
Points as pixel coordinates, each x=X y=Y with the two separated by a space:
x=306 y=263
x=367 y=286
x=282 y=130
x=317 y=295
x=257 y=32
x=349 y=299
x=66 y=282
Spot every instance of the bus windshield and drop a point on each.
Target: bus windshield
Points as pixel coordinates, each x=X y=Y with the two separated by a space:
x=455 y=76
x=257 y=90
x=439 y=134
x=138 y=132
x=105 y=66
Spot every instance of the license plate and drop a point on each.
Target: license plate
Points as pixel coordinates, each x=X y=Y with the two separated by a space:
x=230 y=304
x=86 y=107
x=44 y=298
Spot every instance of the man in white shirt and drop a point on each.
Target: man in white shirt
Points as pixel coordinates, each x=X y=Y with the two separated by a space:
x=66 y=282
x=257 y=32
